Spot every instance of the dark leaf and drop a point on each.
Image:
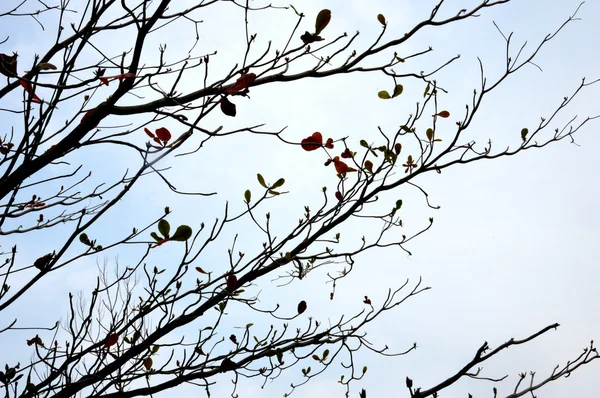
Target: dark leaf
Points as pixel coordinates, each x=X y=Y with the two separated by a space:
x=302 y=307
x=322 y=21
x=164 y=228
x=228 y=107
x=182 y=233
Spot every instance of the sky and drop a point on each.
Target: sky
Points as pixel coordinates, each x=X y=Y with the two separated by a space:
x=514 y=244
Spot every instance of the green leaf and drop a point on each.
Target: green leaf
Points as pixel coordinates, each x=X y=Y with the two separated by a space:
x=248 y=196
x=426 y=90
x=400 y=59
x=398 y=204
x=364 y=369
x=278 y=183
x=164 y=228
x=429 y=134
x=524 y=133
x=325 y=354
x=155 y=349
x=182 y=233
x=398 y=90
x=364 y=143
x=383 y=94
x=274 y=192
x=155 y=236
x=83 y=238
x=261 y=180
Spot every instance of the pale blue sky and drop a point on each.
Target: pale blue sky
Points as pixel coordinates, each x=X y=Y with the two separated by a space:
x=513 y=247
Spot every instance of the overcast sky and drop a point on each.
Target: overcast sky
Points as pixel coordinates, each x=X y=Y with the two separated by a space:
x=513 y=247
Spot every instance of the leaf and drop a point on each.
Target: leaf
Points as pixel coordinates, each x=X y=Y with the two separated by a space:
x=325 y=354
x=364 y=143
x=232 y=282
x=155 y=236
x=426 y=90
x=228 y=107
x=524 y=133
x=302 y=307
x=369 y=166
x=429 y=134
x=8 y=65
x=443 y=114
x=46 y=66
x=182 y=233
x=398 y=90
x=261 y=180
x=339 y=196
x=322 y=20
x=148 y=363
x=278 y=183
x=83 y=238
x=329 y=143
x=347 y=154
x=312 y=142
x=28 y=87
x=398 y=204
x=398 y=148
x=155 y=349
x=111 y=340
x=164 y=228
x=341 y=167
x=248 y=196
x=381 y=19
x=163 y=134
x=200 y=270
x=364 y=369
x=148 y=132
x=241 y=83
x=383 y=94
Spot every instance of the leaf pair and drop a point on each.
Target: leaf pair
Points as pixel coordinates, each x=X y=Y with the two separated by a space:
x=397 y=91
x=182 y=233
x=161 y=136
x=315 y=141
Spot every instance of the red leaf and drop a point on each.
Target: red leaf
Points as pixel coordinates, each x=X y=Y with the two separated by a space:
x=111 y=340
x=310 y=143
x=124 y=76
x=28 y=87
x=443 y=114
x=329 y=143
x=302 y=307
x=241 y=83
x=163 y=134
x=228 y=107
x=232 y=282
x=338 y=196
x=347 y=154
x=148 y=132
x=104 y=80
x=340 y=166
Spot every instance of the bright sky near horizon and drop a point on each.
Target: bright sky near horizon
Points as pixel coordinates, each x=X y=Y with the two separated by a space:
x=514 y=246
